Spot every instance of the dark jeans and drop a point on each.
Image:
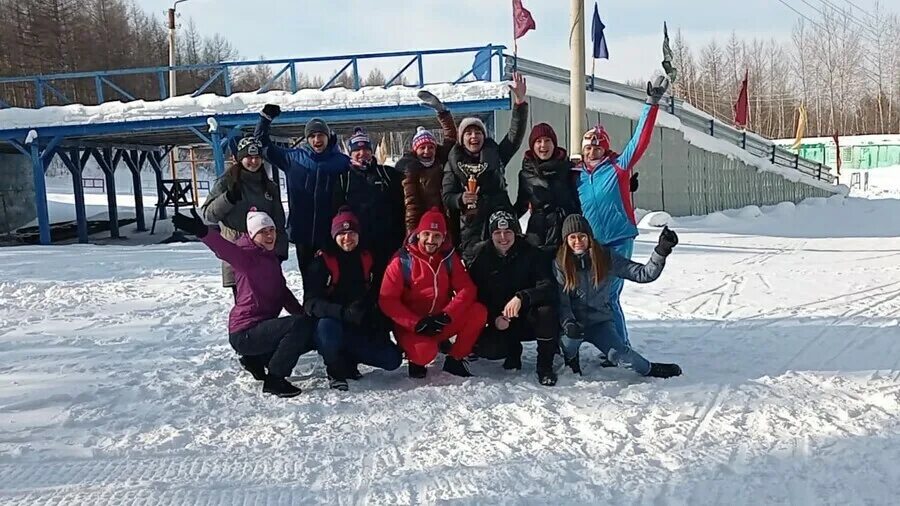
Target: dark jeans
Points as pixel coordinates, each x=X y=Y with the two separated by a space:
x=281 y=340
x=539 y=323
x=343 y=346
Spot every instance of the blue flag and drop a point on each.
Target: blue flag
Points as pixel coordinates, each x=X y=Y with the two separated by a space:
x=481 y=67
x=597 y=37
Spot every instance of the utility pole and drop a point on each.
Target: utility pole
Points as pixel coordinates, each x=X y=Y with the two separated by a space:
x=172 y=82
x=576 y=77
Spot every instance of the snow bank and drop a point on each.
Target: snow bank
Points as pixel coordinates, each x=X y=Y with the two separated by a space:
x=654 y=219
x=884 y=182
x=244 y=103
x=846 y=141
x=608 y=103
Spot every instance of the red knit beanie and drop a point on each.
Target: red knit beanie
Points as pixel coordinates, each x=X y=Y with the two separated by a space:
x=542 y=130
x=434 y=221
x=344 y=221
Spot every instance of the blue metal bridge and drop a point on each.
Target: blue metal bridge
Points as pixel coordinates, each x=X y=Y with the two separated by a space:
x=141 y=143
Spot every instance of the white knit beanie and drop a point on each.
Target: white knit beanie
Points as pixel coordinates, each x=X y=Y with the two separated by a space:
x=258 y=220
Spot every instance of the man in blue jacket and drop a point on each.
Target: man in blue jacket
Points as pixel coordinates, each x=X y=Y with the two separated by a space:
x=311 y=170
x=604 y=181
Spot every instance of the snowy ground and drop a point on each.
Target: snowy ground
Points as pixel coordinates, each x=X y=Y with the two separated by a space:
x=117 y=386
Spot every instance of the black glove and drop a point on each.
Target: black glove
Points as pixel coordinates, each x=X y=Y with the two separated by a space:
x=193 y=225
x=668 y=239
x=431 y=101
x=634 y=182
x=573 y=330
x=657 y=89
x=428 y=327
x=442 y=320
x=270 y=112
x=355 y=313
x=332 y=140
x=234 y=194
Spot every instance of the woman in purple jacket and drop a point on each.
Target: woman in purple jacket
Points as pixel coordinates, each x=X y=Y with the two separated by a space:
x=269 y=346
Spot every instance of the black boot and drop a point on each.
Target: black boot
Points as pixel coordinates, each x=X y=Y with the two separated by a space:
x=546 y=350
x=513 y=360
x=606 y=362
x=279 y=387
x=417 y=371
x=457 y=367
x=353 y=373
x=575 y=364
x=255 y=365
x=664 y=370
x=337 y=378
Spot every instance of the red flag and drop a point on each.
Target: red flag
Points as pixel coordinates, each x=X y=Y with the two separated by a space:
x=837 y=150
x=522 y=20
x=742 y=106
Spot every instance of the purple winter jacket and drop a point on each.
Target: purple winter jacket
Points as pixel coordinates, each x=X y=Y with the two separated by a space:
x=261 y=288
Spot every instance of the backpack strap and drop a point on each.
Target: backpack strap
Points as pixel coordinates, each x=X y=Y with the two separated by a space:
x=334 y=272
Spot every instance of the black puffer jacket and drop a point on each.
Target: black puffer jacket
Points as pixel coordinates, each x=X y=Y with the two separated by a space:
x=547 y=187
x=490 y=166
x=375 y=195
x=523 y=272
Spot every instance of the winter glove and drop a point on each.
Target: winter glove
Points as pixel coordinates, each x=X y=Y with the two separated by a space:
x=428 y=327
x=193 y=225
x=656 y=89
x=234 y=194
x=270 y=112
x=355 y=313
x=431 y=101
x=667 y=240
x=573 y=330
x=634 y=182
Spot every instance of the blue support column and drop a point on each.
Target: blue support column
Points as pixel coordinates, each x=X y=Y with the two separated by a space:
x=155 y=160
x=74 y=163
x=108 y=165
x=218 y=154
x=135 y=161
x=40 y=193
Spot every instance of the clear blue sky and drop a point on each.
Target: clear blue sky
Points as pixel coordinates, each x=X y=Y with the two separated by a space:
x=294 y=28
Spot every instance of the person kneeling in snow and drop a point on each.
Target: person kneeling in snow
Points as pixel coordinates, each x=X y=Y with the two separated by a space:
x=584 y=269
x=269 y=346
x=514 y=282
x=339 y=291
x=430 y=297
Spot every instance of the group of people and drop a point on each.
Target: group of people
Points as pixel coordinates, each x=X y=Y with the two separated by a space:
x=430 y=251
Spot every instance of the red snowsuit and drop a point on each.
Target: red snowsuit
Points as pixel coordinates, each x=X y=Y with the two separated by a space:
x=431 y=290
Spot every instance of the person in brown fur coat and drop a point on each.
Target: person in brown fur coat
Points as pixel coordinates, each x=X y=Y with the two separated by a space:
x=423 y=166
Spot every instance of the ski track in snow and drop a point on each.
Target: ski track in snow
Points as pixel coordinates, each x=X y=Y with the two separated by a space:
x=118 y=387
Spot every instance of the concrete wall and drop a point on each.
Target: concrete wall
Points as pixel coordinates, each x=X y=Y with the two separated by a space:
x=675 y=176
x=16 y=192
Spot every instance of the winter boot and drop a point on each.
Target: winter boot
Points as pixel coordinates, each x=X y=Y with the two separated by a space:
x=513 y=360
x=575 y=364
x=353 y=373
x=546 y=350
x=417 y=371
x=664 y=370
x=338 y=384
x=279 y=387
x=444 y=346
x=255 y=365
x=457 y=367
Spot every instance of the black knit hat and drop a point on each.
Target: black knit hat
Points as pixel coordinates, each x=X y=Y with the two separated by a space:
x=248 y=146
x=575 y=224
x=316 y=126
x=503 y=220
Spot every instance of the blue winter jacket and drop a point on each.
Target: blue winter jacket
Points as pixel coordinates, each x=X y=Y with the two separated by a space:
x=311 y=178
x=605 y=189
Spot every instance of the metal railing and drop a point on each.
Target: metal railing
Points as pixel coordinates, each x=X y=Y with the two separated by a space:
x=222 y=74
x=749 y=141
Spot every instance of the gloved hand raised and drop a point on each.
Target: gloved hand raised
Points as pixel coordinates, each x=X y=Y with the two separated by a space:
x=193 y=225
x=270 y=112
x=431 y=101
x=656 y=89
x=668 y=239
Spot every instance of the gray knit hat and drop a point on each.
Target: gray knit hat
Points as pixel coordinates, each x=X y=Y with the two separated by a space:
x=470 y=122
x=575 y=224
x=316 y=126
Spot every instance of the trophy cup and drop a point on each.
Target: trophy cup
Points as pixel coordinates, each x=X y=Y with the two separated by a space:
x=473 y=170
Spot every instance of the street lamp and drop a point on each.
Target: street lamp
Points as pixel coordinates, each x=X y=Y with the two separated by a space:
x=576 y=77
x=172 y=47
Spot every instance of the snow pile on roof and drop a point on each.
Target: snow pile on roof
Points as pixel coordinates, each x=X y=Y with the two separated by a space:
x=609 y=103
x=245 y=103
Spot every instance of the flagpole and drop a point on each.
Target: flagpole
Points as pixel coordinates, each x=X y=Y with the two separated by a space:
x=593 y=64
x=515 y=40
x=576 y=77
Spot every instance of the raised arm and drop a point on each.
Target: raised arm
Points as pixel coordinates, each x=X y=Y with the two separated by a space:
x=640 y=140
x=275 y=155
x=519 y=121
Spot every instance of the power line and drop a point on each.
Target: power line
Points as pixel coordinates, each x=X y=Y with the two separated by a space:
x=867 y=13
x=820 y=27
x=850 y=16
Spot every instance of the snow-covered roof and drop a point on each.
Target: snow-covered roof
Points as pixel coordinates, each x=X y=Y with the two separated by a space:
x=244 y=103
